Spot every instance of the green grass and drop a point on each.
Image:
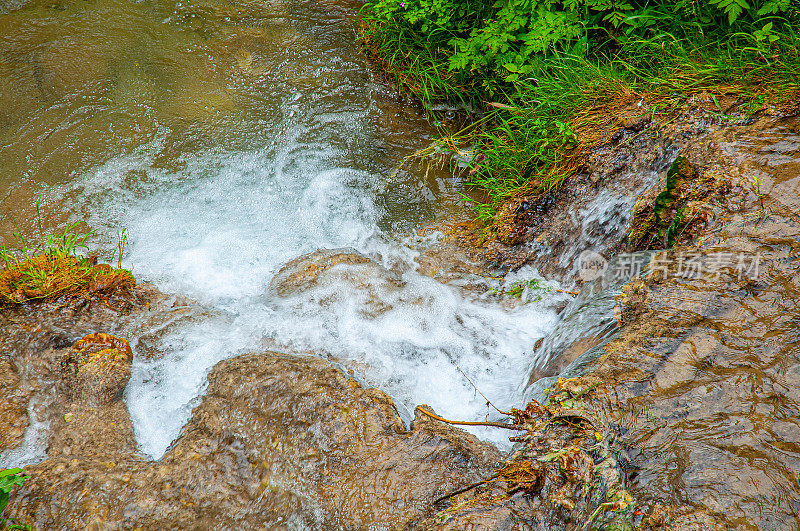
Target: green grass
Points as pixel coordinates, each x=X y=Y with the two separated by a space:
x=416 y=67
x=59 y=264
x=547 y=104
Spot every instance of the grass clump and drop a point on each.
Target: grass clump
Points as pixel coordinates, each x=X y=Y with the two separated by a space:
x=546 y=74
x=59 y=266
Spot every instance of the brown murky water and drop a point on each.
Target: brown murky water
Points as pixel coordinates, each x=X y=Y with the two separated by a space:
x=86 y=82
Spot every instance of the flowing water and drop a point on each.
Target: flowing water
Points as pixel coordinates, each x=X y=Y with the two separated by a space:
x=228 y=139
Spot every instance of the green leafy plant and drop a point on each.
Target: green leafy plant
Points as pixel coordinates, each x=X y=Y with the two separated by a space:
x=505 y=40
x=10 y=478
x=732 y=8
x=529 y=68
x=534 y=285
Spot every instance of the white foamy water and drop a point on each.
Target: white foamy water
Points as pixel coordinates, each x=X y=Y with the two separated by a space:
x=220 y=228
x=294 y=150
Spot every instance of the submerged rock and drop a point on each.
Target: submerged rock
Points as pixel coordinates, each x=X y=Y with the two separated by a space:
x=320 y=267
x=323 y=274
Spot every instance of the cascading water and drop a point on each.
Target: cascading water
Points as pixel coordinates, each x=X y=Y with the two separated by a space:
x=220 y=237
x=287 y=149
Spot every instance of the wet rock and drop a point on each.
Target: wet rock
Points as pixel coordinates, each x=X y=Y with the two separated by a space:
x=593 y=210
x=309 y=429
x=589 y=321
x=321 y=275
x=701 y=378
x=697 y=358
x=13 y=406
x=277 y=439
x=316 y=268
x=44 y=370
x=451 y=262
x=678 y=209
x=89 y=415
x=97 y=368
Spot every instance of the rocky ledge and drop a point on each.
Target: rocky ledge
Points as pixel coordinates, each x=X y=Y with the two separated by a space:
x=277 y=439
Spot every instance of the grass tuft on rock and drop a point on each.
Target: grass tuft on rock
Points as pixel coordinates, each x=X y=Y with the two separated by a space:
x=51 y=276
x=58 y=267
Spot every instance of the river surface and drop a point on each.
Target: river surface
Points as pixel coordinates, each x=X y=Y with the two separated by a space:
x=228 y=139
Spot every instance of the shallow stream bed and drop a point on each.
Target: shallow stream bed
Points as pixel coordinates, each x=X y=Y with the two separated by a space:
x=229 y=141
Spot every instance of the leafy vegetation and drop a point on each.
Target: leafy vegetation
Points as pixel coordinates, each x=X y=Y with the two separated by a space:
x=9 y=478
x=544 y=70
x=534 y=288
x=59 y=265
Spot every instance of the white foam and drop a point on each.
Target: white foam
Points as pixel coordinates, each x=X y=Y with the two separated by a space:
x=162 y=392
x=417 y=349
x=220 y=228
x=218 y=225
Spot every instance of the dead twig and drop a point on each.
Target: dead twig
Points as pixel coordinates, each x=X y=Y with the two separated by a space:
x=471 y=423
x=465 y=489
x=488 y=402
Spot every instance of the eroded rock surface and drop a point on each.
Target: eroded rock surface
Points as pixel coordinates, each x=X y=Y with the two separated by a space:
x=700 y=383
x=698 y=403
x=13 y=405
x=277 y=439
x=35 y=338
x=706 y=365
